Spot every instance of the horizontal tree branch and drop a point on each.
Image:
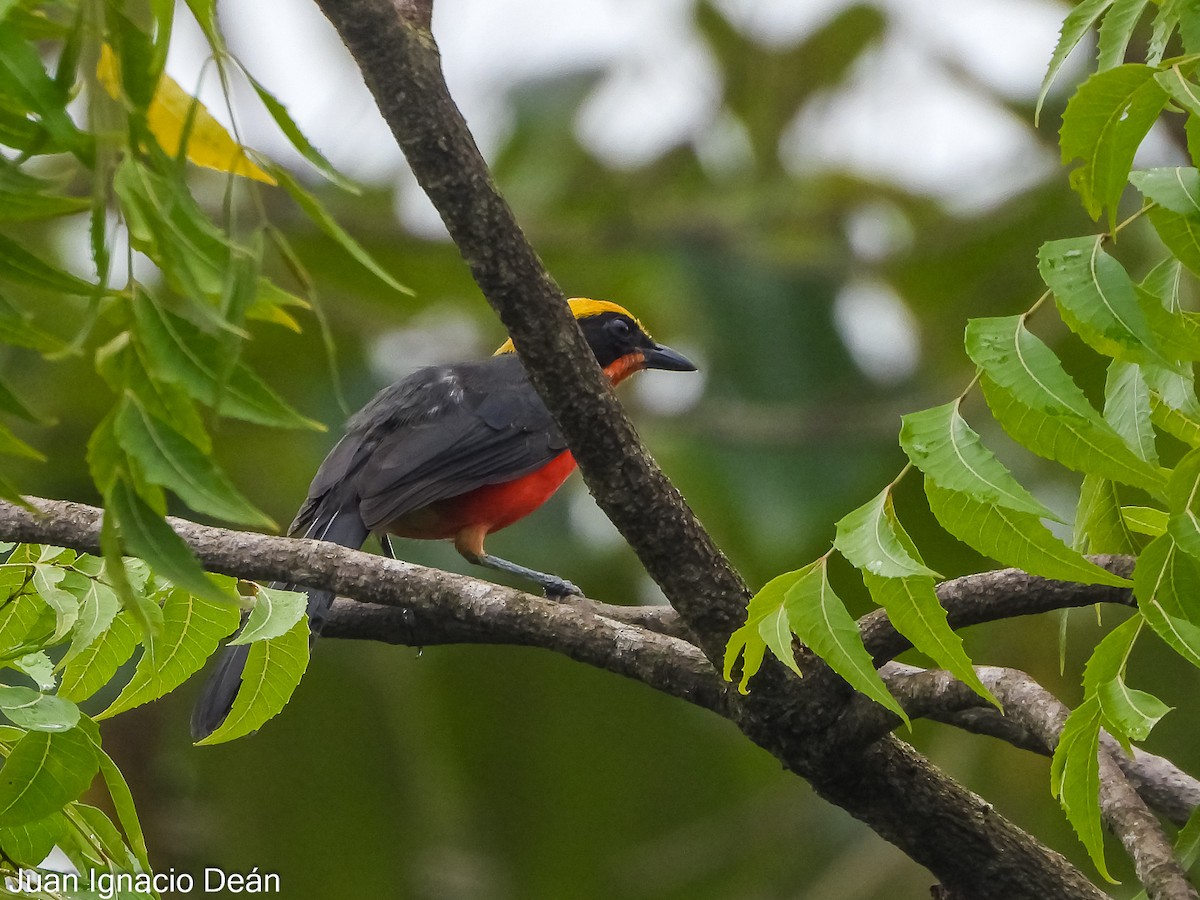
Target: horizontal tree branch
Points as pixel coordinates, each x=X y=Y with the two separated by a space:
x=899 y=793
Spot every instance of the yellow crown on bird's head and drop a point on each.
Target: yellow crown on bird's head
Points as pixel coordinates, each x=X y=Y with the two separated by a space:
x=582 y=308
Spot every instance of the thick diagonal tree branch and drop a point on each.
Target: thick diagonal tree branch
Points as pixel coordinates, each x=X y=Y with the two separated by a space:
x=900 y=794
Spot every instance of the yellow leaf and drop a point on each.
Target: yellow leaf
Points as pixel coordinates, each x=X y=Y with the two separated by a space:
x=209 y=143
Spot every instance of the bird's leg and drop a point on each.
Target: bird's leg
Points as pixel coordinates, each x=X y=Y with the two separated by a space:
x=469 y=543
x=556 y=588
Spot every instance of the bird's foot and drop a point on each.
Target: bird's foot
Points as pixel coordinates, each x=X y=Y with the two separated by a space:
x=559 y=588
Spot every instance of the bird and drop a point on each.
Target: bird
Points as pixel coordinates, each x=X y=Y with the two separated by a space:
x=450 y=452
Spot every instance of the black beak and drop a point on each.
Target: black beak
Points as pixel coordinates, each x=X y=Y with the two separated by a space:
x=660 y=357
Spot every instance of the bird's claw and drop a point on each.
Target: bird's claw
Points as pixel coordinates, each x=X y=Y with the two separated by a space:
x=561 y=589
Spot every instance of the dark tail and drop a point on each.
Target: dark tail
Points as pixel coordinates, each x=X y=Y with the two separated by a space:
x=216 y=699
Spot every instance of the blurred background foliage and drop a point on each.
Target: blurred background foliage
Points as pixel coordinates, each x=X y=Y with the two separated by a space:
x=816 y=234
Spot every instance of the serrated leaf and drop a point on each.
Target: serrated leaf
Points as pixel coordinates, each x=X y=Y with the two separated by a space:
x=1104 y=123
x=273 y=669
x=17 y=616
x=914 y=610
x=1042 y=408
x=28 y=845
x=1099 y=525
x=1096 y=298
x=181 y=353
x=1177 y=331
x=192 y=629
x=323 y=220
x=777 y=635
x=1127 y=409
x=747 y=643
x=1176 y=188
x=1109 y=658
x=943 y=446
x=1012 y=538
x=1130 y=712
x=1077 y=24
x=1183 y=492
x=20 y=266
x=870 y=538
x=95 y=665
x=296 y=137
x=1180 y=233
x=39 y=668
x=1184 y=92
x=171 y=460
x=1075 y=779
x=16 y=327
x=122 y=797
x=98 y=607
x=146 y=535
x=43 y=773
x=98 y=829
x=1165 y=22
x=274 y=613
x=1166 y=583
x=36 y=711
x=1145 y=520
x=22 y=72
x=45 y=583
x=1116 y=30
x=37 y=207
x=820 y=619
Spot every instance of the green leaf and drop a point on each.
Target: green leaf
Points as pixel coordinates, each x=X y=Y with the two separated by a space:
x=95 y=665
x=98 y=607
x=1077 y=24
x=24 y=75
x=1183 y=492
x=122 y=797
x=1117 y=29
x=294 y=135
x=1043 y=409
x=45 y=582
x=914 y=609
x=98 y=829
x=1166 y=583
x=37 y=666
x=1145 y=520
x=26 y=207
x=179 y=352
x=170 y=459
x=747 y=643
x=274 y=613
x=43 y=773
x=1130 y=712
x=192 y=629
x=1176 y=188
x=1111 y=655
x=1099 y=525
x=1127 y=409
x=1012 y=538
x=28 y=845
x=273 y=669
x=870 y=538
x=1103 y=125
x=1185 y=93
x=326 y=223
x=773 y=628
x=1165 y=21
x=20 y=266
x=17 y=617
x=30 y=709
x=1180 y=233
x=1096 y=298
x=942 y=445
x=146 y=535
x=1075 y=779
x=1177 y=331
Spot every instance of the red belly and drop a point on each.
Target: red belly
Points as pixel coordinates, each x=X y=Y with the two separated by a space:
x=494 y=505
